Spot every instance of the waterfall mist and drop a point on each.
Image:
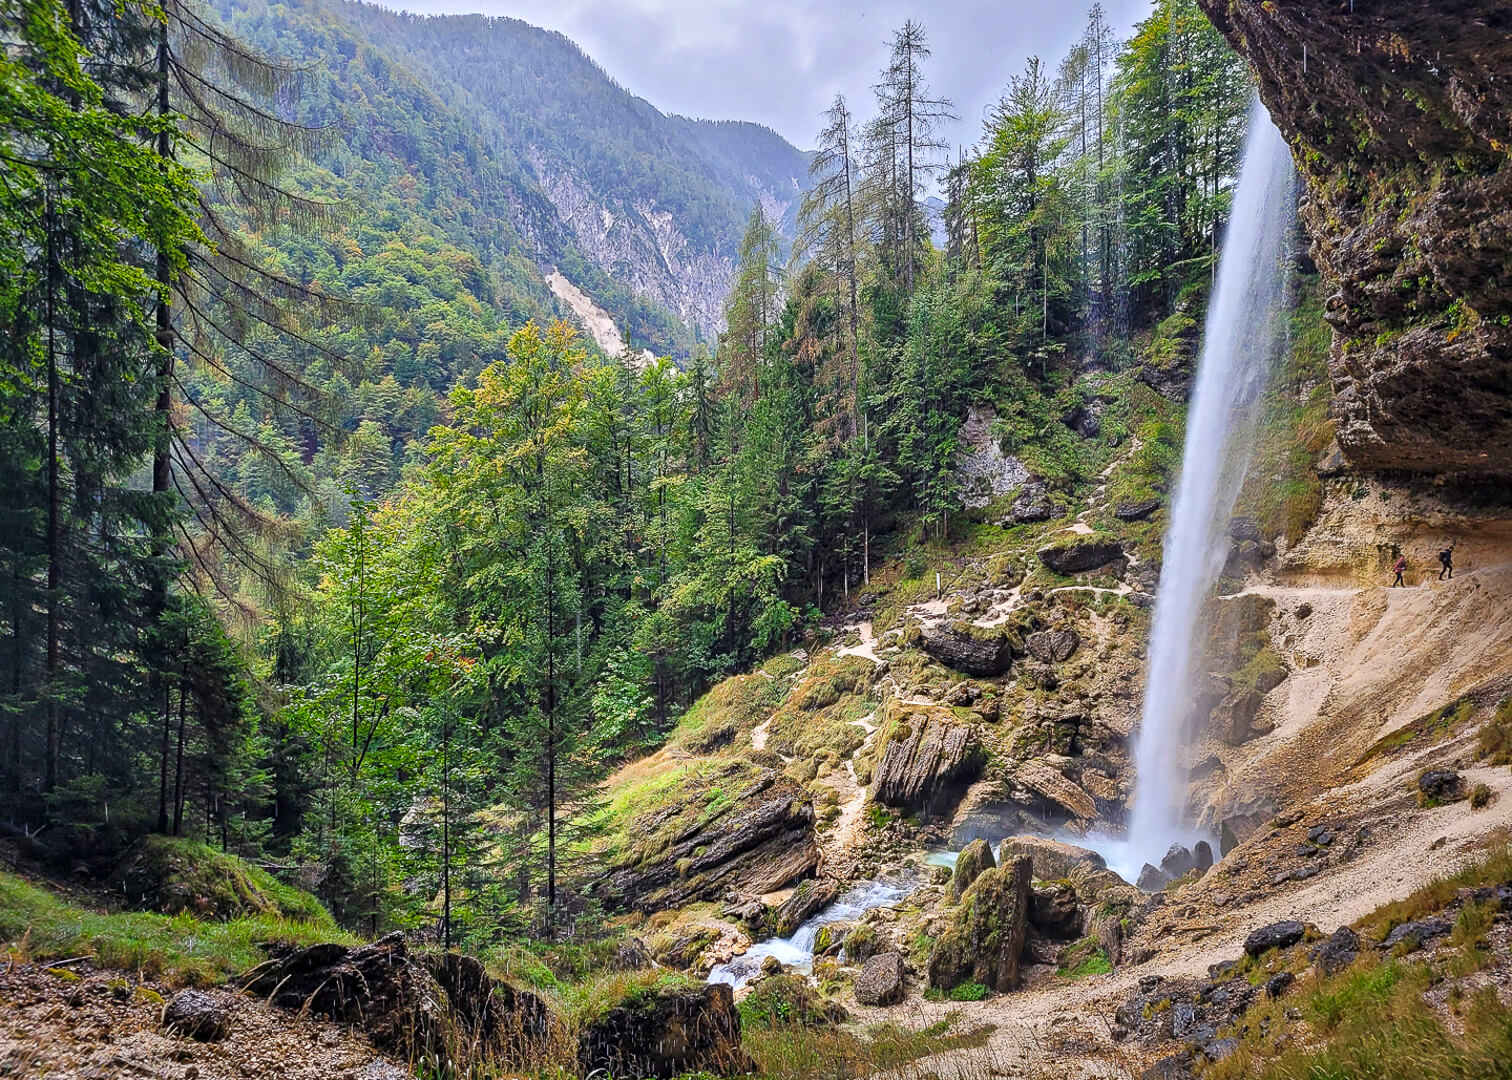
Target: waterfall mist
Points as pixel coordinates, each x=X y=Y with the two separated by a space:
x=1243 y=331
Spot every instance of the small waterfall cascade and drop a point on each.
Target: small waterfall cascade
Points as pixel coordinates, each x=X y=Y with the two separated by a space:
x=797 y=952
x=1244 y=329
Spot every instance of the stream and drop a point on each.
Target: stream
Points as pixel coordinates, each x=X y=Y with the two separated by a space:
x=797 y=952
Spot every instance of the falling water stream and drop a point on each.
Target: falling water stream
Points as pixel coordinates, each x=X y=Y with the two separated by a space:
x=1243 y=331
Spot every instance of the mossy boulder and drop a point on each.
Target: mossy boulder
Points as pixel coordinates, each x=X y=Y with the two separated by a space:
x=974 y=858
x=1082 y=555
x=666 y=1032
x=807 y=899
x=175 y=876
x=984 y=940
x=974 y=650
x=862 y=943
x=779 y=1001
x=926 y=758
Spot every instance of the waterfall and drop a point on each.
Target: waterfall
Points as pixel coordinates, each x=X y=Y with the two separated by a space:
x=1243 y=330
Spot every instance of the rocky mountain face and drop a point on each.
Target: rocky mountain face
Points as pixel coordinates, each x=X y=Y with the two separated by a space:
x=656 y=202
x=1400 y=117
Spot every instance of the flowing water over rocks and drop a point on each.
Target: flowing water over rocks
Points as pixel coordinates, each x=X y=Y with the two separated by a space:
x=797 y=952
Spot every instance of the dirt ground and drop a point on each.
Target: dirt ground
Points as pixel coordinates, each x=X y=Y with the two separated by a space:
x=72 y=1021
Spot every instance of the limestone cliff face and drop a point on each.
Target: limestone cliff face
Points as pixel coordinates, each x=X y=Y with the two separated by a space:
x=1399 y=113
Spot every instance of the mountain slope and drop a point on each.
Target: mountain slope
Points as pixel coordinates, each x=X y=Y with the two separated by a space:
x=657 y=202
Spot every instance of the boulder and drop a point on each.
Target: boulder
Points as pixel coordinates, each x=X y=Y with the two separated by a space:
x=1442 y=785
x=984 y=940
x=974 y=858
x=665 y=1033
x=1053 y=859
x=507 y=1022
x=883 y=980
x=1081 y=555
x=1337 y=951
x=861 y=943
x=926 y=761
x=809 y=898
x=1051 y=785
x=1152 y=879
x=1277 y=935
x=404 y=1004
x=1055 y=913
x=378 y=987
x=1052 y=646
x=763 y=843
x=1234 y=831
x=1202 y=852
x=1083 y=421
x=1135 y=509
x=1421 y=931
x=781 y=1001
x=974 y=650
x=197 y=1014
x=1032 y=504
x=1178 y=862
x=1276 y=985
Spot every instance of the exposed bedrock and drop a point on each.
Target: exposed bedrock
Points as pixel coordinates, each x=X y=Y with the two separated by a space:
x=927 y=758
x=763 y=845
x=1399 y=113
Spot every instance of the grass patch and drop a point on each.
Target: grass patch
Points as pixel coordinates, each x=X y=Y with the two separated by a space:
x=726 y=714
x=1432 y=726
x=1084 y=958
x=816 y=719
x=1494 y=741
x=180 y=949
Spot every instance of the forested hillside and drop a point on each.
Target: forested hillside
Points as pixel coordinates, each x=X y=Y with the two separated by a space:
x=417 y=565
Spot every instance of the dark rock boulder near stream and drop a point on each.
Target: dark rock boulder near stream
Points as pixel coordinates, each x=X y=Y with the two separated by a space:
x=666 y=1033
x=411 y=1006
x=1410 y=212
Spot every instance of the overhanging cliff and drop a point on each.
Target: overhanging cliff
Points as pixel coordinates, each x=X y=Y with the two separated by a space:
x=1399 y=113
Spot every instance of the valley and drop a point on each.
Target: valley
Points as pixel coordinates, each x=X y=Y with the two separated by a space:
x=502 y=580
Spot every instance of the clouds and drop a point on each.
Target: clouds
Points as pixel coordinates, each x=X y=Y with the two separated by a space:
x=780 y=62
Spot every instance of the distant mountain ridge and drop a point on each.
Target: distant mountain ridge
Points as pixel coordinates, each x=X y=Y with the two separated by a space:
x=656 y=202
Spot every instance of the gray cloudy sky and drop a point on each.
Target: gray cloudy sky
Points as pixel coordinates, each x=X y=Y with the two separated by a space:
x=780 y=62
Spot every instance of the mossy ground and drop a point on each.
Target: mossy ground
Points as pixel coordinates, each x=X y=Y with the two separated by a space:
x=179 y=949
x=171 y=876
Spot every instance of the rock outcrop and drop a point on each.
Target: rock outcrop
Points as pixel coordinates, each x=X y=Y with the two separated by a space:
x=969 y=649
x=1053 y=860
x=975 y=857
x=1410 y=212
x=666 y=1033
x=807 y=899
x=412 y=1006
x=1082 y=555
x=765 y=845
x=1052 y=646
x=927 y=759
x=984 y=941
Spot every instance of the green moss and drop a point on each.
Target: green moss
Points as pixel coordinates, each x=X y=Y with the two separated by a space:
x=725 y=716
x=1084 y=958
x=1282 y=491
x=172 y=876
x=969 y=991
x=179 y=948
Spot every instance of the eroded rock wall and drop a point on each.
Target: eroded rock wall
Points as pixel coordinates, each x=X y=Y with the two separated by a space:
x=1399 y=113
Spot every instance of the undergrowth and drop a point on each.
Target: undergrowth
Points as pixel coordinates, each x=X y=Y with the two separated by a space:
x=180 y=949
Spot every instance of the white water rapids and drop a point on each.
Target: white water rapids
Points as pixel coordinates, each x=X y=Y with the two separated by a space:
x=797 y=952
x=1243 y=331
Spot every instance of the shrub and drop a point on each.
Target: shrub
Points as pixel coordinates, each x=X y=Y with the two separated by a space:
x=969 y=991
x=1480 y=797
